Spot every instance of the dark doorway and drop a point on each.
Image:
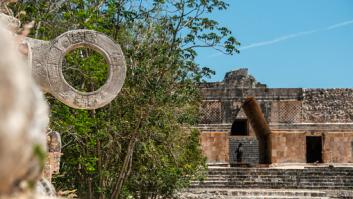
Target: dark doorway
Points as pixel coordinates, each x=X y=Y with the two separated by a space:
x=313 y=149
x=240 y=127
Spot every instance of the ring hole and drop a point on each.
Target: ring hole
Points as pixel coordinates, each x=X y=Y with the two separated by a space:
x=85 y=69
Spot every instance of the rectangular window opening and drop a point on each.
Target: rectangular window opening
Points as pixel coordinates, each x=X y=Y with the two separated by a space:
x=313 y=149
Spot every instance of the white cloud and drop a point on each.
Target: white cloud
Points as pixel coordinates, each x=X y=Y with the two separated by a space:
x=278 y=39
x=339 y=25
x=294 y=35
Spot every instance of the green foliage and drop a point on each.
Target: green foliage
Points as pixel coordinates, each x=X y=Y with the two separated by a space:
x=142 y=145
x=85 y=69
x=40 y=154
x=173 y=165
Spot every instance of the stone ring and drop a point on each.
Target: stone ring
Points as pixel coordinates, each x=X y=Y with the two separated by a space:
x=47 y=67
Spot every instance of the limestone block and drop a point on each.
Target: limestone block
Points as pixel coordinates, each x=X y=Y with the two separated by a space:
x=215 y=146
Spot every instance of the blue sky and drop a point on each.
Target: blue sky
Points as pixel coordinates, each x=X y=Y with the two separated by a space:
x=288 y=43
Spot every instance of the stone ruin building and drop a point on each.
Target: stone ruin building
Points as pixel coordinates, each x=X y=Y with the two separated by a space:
x=300 y=145
x=307 y=125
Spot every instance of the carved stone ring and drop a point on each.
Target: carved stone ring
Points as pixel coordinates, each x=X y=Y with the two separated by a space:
x=46 y=59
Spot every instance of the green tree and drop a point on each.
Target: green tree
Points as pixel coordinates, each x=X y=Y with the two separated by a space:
x=142 y=144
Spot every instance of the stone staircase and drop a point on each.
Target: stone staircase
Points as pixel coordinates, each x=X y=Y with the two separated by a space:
x=308 y=178
x=250 y=149
x=313 y=182
x=251 y=194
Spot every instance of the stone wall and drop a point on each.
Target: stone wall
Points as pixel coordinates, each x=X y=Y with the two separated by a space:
x=250 y=149
x=328 y=105
x=211 y=112
x=279 y=105
x=215 y=146
x=286 y=111
x=288 y=147
x=338 y=147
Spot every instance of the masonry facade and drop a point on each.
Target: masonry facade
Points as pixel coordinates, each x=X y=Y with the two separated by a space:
x=307 y=125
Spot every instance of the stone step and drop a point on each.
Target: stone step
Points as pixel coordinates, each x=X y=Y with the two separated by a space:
x=312 y=168
x=252 y=170
x=279 y=179
x=276 y=180
x=271 y=187
x=311 y=178
x=272 y=181
x=251 y=193
x=282 y=176
x=274 y=197
x=279 y=173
